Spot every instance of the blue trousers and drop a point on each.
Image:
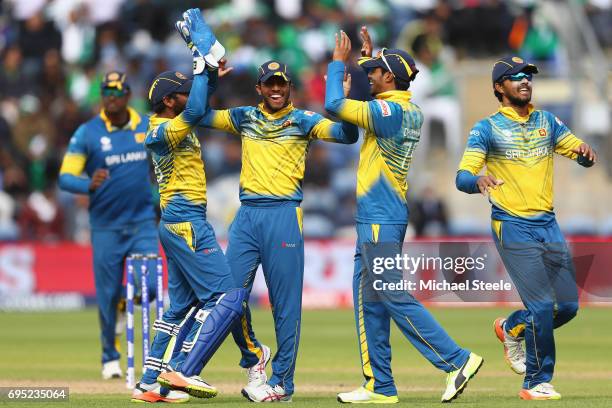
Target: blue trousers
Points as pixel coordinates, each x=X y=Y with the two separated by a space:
x=540 y=265
x=198 y=274
x=110 y=248
x=270 y=236
x=373 y=318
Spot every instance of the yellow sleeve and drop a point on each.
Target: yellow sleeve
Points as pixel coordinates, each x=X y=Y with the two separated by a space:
x=73 y=163
x=175 y=130
x=565 y=146
x=473 y=160
x=222 y=120
x=357 y=113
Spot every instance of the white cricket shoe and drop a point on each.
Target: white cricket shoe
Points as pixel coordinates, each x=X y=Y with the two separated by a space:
x=513 y=347
x=457 y=380
x=543 y=391
x=153 y=393
x=257 y=373
x=266 y=393
x=111 y=369
x=364 y=396
x=193 y=385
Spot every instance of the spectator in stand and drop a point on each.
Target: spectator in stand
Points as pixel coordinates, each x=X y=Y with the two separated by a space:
x=428 y=214
x=436 y=95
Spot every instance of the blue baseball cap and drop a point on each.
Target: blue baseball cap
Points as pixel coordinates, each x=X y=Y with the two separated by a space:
x=167 y=83
x=510 y=66
x=115 y=79
x=273 y=68
x=398 y=62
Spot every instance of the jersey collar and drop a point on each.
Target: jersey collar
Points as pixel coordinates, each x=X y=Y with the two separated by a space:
x=511 y=114
x=132 y=123
x=276 y=115
x=395 y=96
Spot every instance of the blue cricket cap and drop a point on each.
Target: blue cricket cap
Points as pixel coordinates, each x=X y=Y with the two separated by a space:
x=115 y=79
x=510 y=66
x=398 y=62
x=167 y=83
x=273 y=68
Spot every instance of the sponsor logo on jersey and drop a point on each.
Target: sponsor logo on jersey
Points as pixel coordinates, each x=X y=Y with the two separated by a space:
x=288 y=244
x=208 y=251
x=105 y=143
x=526 y=154
x=507 y=134
x=384 y=107
x=309 y=113
x=124 y=158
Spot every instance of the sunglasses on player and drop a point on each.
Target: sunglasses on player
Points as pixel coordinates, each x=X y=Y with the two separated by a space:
x=382 y=56
x=517 y=77
x=117 y=93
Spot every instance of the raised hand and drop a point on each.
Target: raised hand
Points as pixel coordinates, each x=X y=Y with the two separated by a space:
x=342 y=50
x=366 y=42
x=201 y=35
x=346 y=84
x=223 y=68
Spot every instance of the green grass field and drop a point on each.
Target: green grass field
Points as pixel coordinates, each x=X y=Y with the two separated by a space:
x=61 y=349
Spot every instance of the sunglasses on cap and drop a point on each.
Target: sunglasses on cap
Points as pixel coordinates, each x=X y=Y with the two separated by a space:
x=517 y=77
x=382 y=56
x=118 y=93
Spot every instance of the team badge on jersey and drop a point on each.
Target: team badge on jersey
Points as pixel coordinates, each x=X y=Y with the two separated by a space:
x=542 y=132
x=139 y=137
x=105 y=144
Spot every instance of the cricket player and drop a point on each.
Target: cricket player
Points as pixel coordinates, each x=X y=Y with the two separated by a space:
x=109 y=149
x=267 y=229
x=392 y=124
x=516 y=144
x=198 y=273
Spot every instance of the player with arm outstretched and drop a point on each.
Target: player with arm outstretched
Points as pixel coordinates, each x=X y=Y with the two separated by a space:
x=516 y=144
x=109 y=149
x=267 y=229
x=204 y=302
x=392 y=130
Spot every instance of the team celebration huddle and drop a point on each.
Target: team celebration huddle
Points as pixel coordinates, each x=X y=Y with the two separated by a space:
x=209 y=288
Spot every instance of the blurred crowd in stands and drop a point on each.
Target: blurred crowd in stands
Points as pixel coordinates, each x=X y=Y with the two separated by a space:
x=54 y=52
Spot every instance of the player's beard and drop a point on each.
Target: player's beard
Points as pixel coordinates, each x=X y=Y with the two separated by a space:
x=518 y=101
x=178 y=108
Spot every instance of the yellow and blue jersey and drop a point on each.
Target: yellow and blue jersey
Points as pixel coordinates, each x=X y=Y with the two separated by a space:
x=274 y=147
x=126 y=196
x=519 y=151
x=392 y=127
x=177 y=158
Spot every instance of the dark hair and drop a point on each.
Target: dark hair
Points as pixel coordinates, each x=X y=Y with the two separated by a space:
x=401 y=84
x=497 y=94
x=159 y=107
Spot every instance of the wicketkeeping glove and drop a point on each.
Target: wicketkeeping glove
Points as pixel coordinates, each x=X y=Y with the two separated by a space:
x=200 y=39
